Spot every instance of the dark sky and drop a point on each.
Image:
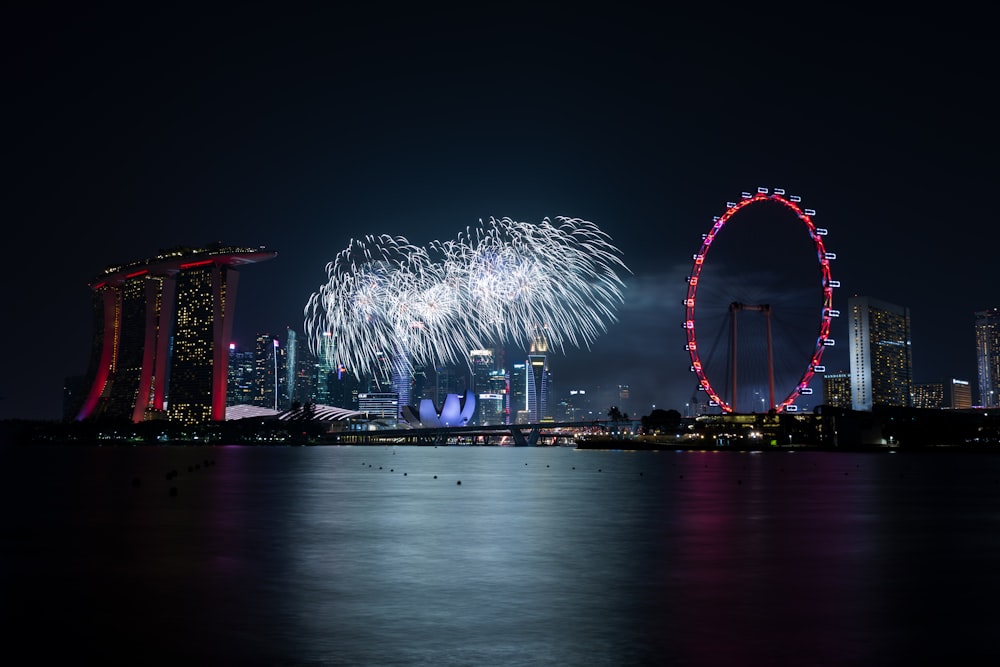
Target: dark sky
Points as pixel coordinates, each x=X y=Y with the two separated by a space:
x=131 y=130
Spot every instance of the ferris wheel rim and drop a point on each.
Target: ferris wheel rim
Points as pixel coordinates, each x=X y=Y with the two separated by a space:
x=826 y=313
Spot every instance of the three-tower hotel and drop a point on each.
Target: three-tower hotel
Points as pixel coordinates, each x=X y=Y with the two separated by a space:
x=162 y=328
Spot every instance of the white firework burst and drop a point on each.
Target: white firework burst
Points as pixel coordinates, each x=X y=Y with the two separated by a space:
x=388 y=303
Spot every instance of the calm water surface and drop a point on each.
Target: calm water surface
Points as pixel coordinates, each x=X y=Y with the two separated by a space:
x=499 y=556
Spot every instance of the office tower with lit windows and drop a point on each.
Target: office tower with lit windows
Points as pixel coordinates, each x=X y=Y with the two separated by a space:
x=988 y=356
x=517 y=396
x=953 y=394
x=483 y=363
x=239 y=390
x=491 y=400
x=539 y=381
x=837 y=390
x=928 y=395
x=881 y=358
x=402 y=383
x=958 y=394
x=267 y=372
x=161 y=338
x=303 y=378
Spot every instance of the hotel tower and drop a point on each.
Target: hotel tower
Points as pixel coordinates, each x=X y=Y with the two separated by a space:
x=162 y=328
x=881 y=361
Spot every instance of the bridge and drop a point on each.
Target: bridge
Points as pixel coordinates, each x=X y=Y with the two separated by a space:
x=547 y=434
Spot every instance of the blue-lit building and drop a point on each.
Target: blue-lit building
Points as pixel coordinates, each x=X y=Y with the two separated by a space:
x=539 y=382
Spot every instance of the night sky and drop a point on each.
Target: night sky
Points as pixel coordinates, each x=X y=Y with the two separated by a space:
x=132 y=130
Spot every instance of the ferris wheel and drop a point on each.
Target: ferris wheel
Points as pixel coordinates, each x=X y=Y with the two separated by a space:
x=758 y=323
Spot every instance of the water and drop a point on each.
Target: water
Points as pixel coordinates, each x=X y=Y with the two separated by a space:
x=540 y=556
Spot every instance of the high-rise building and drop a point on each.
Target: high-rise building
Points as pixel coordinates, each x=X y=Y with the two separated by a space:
x=162 y=328
x=291 y=369
x=881 y=358
x=491 y=401
x=402 y=381
x=517 y=396
x=837 y=389
x=304 y=381
x=958 y=394
x=482 y=364
x=325 y=369
x=539 y=381
x=241 y=376
x=988 y=356
x=267 y=372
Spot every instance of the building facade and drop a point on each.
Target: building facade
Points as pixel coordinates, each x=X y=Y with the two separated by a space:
x=241 y=376
x=837 y=390
x=988 y=357
x=517 y=395
x=881 y=356
x=488 y=383
x=539 y=382
x=380 y=405
x=162 y=326
x=953 y=394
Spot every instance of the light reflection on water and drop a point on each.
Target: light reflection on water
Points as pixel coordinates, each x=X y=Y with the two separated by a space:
x=359 y=555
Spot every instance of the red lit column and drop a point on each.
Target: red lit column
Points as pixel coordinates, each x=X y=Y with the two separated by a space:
x=224 y=282
x=112 y=323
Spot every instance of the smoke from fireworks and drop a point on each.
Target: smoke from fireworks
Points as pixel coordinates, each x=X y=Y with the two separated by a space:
x=388 y=303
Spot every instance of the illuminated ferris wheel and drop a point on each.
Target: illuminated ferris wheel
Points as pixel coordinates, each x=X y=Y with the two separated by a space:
x=751 y=316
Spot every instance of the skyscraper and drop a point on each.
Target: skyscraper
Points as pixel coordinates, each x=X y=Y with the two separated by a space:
x=267 y=372
x=490 y=403
x=988 y=357
x=161 y=335
x=517 y=396
x=482 y=363
x=241 y=372
x=291 y=370
x=881 y=360
x=539 y=381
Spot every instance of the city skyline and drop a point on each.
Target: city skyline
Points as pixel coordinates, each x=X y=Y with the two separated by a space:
x=300 y=133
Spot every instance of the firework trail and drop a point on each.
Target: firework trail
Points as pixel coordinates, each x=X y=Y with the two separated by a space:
x=388 y=303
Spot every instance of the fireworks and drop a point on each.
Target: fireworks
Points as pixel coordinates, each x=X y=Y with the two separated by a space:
x=388 y=303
